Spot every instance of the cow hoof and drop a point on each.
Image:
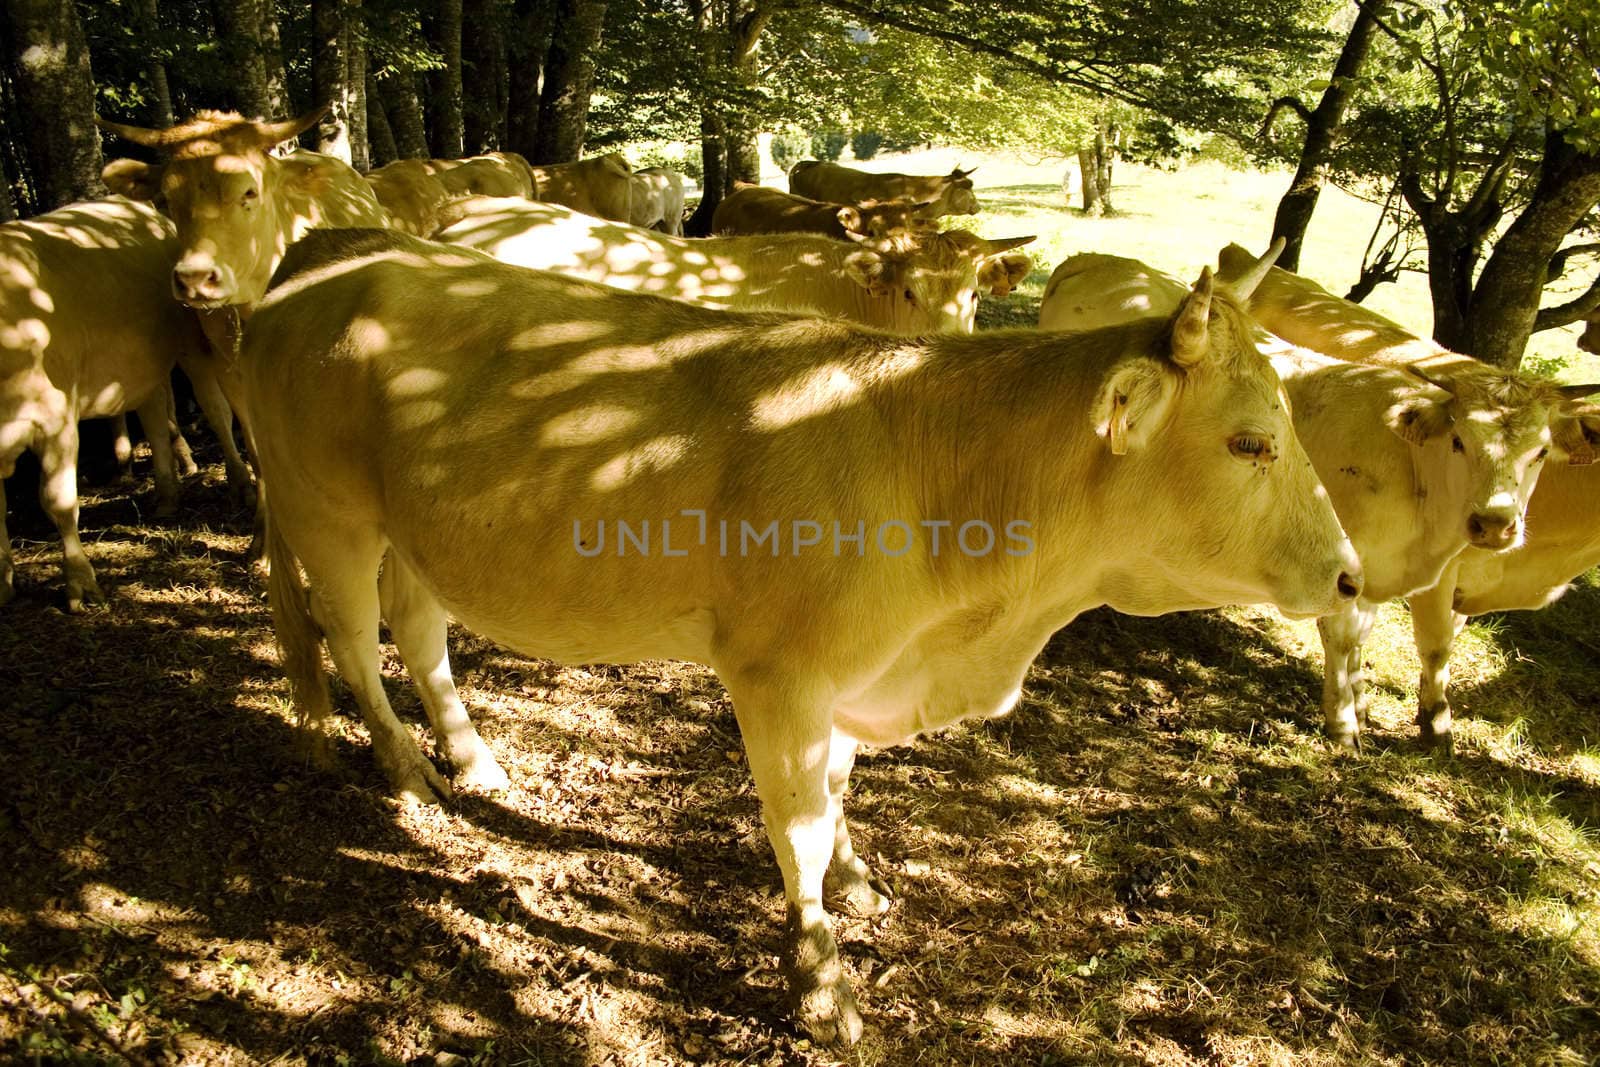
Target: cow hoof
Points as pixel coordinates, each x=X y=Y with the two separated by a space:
x=482 y=775
x=79 y=595
x=419 y=782
x=1345 y=740
x=856 y=892
x=829 y=1016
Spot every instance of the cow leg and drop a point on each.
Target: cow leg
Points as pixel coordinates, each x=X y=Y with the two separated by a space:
x=180 y=445
x=219 y=416
x=58 y=495
x=787 y=744
x=8 y=574
x=342 y=566
x=156 y=416
x=121 y=442
x=1436 y=623
x=419 y=628
x=848 y=885
x=1343 y=688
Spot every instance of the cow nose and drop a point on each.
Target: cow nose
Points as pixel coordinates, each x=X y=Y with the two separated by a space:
x=1491 y=530
x=197 y=283
x=1350 y=585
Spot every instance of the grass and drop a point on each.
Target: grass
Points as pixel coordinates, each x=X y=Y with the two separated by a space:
x=1154 y=860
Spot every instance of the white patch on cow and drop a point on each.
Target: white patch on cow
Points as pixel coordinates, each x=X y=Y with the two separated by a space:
x=822 y=390
x=587 y=425
x=655 y=454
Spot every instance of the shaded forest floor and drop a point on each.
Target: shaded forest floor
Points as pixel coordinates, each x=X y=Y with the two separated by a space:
x=1155 y=860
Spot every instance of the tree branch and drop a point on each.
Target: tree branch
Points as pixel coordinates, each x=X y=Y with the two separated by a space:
x=1571 y=311
x=1278 y=105
x=1558 y=262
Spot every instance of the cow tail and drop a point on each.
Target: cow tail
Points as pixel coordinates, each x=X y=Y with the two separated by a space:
x=299 y=645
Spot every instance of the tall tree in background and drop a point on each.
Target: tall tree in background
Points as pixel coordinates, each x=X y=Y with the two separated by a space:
x=330 y=76
x=147 y=26
x=527 y=45
x=53 y=89
x=484 y=79
x=446 y=134
x=1322 y=129
x=569 y=73
x=258 y=92
x=729 y=35
x=381 y=146
x=355 y=80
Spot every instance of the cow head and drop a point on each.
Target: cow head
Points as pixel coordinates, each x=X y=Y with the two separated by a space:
x=1198 y=417
x=878 y=218
x=1590 y=339
x=1483 y=436
x=934 y=277
x=1575 y=429
x=956 y=195
x=223 y=191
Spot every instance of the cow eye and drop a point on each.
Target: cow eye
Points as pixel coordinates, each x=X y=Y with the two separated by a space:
x=250 y=194
x=1543 y=452
x=911 y=296
x=1455 y=443
x=1250 y=446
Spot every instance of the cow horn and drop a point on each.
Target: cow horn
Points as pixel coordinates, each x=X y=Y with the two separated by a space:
x=1433 y=380
x=1192 y=326
x=1005 y=244
x=139 y=135
x=959 y=174
x=272 y=133
x=1577 y=392
x=1246 y=283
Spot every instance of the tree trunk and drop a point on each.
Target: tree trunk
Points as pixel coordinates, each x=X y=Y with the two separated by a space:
x=1107 y=139
x=713 y=179
x=483 y=55
x=1322 y=129
x=1505 y=302
x=355 y=54
x=568 y=80
x=1089 y=171
x=444 y=100
x=53 y=89
x=147 y=29
x=271 y=49
x=405 y=115
x=241 y=23
x=8 y=210
x=330 y=77
x=380 y=138
x=532 y=21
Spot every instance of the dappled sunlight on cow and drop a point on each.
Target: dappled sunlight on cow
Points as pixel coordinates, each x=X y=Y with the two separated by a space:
x=411 y=195
x=657 y=200
x=865 y=535
x=88 y=328
x=907 y=283
x=752 y=209
x=1559 y=537
x=1420 y=463
x=601 y=186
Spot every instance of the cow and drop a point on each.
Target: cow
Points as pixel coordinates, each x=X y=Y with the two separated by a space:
x=903 y=283
x=88 y=328
x=411 y=194
x=1420 y=464
x=472 y=426
x=601 y=186
x=1589 y=340
x=752 y=209
x=1563 y=514
x=658 y=200
x=949 y=194
x=495 y=174
x=236 y=208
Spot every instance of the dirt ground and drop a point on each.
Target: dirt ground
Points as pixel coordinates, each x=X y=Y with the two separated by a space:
x=1155 y=860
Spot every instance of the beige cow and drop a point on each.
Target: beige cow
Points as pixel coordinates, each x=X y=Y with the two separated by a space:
x=601 y=186
x=495 y=174
x=237 y=208
x=904 y=283
x=947 y=194
x=752 y=209
x=758 y=493
x=1563 y=514
x=1419 y=468
x=411 y=195
x=658 y=200
x=88 y=328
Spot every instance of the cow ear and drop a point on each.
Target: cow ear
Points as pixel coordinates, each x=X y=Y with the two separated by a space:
x=1004 y=273
x=1133 y=404
x=850 y=219
x=132 y=179
x=1423 y=414
x=308 y=175
x=870 y=270
x=1575 y=435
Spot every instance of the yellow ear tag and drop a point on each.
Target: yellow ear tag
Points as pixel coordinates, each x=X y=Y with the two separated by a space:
x=1119 y=425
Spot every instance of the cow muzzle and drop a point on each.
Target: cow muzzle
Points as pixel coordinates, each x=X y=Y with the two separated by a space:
x=202 y=283
x=1496 y=531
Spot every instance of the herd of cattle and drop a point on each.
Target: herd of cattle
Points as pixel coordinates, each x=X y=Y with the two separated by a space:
x=436 y=421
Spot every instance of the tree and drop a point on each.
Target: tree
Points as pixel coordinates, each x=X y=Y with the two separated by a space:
x=1322 y=128
x=330 y=76
x=147 y=26
x=569 y=75
x=527 y=44
x=243 y=26
x=485 y=81
x=444 y=99
x=47 y=61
